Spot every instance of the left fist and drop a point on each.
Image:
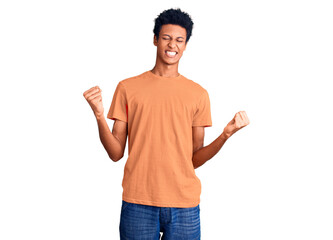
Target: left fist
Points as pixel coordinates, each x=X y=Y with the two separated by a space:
x=239 y=121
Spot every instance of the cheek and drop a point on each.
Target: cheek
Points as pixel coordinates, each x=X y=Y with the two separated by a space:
x=181 y=48
x=181 y=51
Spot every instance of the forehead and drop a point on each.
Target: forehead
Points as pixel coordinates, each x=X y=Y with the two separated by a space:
x=173 y=30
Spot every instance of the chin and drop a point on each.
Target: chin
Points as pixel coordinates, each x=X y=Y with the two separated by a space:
x=172 y=62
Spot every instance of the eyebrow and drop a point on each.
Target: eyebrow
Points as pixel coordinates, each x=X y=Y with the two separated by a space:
x=170 y=36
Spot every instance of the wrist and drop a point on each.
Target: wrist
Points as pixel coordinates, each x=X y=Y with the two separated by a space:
x=99 y=116
x=224 y=135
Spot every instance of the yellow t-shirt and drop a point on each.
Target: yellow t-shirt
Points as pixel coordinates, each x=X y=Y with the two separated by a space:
x=160 y=113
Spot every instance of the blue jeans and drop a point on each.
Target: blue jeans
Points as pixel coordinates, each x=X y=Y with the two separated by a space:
x=144 y=222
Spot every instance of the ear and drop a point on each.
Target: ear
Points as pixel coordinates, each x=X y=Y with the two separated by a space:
x=155 y=40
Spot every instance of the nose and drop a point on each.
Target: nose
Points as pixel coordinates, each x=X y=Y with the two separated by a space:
x=171 y=44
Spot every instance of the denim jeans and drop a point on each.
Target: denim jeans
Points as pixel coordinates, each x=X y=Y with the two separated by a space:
x=144 y=222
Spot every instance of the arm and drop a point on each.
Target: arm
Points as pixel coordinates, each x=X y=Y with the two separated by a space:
x=203 y=154
x=115 y=142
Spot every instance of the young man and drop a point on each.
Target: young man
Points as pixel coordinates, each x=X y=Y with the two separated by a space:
x=164 y=115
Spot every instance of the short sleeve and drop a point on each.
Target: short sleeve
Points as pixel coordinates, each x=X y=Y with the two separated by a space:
x=118 y=108
x=202 y=116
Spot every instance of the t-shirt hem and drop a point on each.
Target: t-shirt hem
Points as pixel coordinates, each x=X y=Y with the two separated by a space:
x=201 y=125
x=114 y=118
x=159 y=204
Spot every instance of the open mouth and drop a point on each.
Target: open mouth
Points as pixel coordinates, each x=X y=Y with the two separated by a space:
x=171 y=53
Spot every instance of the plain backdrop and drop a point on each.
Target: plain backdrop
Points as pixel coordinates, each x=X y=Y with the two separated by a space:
x=273 y=59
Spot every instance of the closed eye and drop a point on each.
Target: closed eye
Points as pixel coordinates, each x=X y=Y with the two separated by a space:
x=169 y=39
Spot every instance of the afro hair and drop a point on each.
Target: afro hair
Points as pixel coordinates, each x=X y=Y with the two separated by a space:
x=174 y=16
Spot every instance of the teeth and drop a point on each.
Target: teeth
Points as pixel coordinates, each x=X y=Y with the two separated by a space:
x=171 y=53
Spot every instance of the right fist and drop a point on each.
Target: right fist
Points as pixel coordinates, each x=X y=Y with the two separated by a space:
x=94 y=98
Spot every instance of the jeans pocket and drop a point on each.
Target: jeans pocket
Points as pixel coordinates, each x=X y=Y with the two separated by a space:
x=124 y=205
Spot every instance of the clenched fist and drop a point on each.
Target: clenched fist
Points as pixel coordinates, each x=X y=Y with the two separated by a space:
x=94 y=98
x=239 y=121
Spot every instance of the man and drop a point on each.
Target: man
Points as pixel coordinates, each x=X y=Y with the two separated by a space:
x=164 y=115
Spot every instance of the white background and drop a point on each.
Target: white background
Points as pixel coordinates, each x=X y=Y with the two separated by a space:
x=273 y=59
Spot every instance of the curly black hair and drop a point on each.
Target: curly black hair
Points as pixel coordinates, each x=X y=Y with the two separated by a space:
x=174 y=16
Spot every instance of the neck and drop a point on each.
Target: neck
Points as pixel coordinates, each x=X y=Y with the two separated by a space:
x=166 y=70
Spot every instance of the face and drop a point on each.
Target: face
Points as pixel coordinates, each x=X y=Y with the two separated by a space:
x=170 y=44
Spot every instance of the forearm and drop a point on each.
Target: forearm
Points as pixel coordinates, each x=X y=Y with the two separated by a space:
x=109 y=141
x=204 y=154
